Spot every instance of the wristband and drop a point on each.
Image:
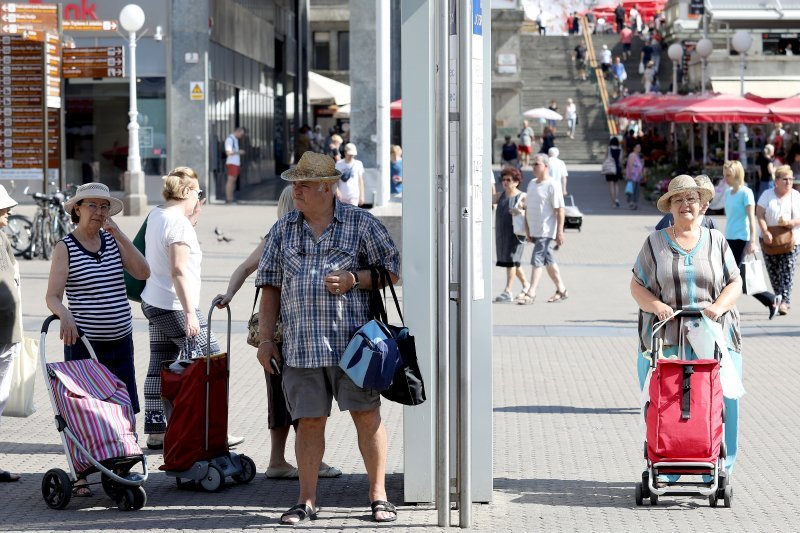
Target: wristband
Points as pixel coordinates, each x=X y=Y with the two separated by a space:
x=265 y=342
x=355 y=276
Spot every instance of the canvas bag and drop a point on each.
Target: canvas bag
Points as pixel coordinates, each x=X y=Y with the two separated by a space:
x=752 y=270
x=609 y=165
x=133 y=286
x=23 y=376
x=518 y=217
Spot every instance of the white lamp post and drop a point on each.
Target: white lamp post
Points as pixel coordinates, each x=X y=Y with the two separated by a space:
x=704 y=49
x=675 y=53
x=131 y=18
x=742 y=41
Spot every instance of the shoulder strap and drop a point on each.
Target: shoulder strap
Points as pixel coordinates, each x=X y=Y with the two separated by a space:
x=255 y=301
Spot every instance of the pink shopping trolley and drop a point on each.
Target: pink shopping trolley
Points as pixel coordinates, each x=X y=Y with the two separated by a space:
x=94 y=416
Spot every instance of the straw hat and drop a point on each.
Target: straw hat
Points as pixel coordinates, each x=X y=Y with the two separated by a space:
x=679 y=185
x=313 y=167
x=5 y=199
x=94 y=190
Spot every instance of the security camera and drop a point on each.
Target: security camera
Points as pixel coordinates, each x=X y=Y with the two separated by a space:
x=159 y=35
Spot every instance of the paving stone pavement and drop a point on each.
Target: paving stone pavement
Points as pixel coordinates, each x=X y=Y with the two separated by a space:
x=566 y=424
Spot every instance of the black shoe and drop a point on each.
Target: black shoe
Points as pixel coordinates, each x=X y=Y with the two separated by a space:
x=775 y=306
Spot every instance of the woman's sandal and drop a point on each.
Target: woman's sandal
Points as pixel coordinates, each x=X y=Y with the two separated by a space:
x=783 y=309
x=82 y=490
x=381 y=506
x=8 y=477
x=525 y=299
x=303 y=512
x=559 y=296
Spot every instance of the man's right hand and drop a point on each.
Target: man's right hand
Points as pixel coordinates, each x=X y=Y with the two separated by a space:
x=266 y=351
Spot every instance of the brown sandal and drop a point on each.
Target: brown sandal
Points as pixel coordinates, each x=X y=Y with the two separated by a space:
x=525 y=299
x=559 y=296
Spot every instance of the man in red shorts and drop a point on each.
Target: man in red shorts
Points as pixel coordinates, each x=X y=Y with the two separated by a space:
x=233 y=161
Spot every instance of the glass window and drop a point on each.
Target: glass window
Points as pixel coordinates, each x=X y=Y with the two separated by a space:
x=344 y=51
x=322 y=50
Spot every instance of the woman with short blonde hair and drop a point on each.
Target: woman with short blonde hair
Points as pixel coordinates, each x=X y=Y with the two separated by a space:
x=178 y=183
x=735 y=173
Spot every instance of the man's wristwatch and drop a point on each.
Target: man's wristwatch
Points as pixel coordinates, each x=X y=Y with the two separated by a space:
x=355 y=276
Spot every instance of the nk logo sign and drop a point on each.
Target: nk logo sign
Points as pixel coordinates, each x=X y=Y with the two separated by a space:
x=477 y=18
x=75 y=11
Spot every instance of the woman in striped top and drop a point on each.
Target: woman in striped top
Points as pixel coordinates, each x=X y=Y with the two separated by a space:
x=88 y=264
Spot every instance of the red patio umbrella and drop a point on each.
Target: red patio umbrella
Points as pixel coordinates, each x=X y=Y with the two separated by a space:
x=724 y=108
x=632 y=106
x=396 y=109
x=656 y=109
x=786 y=110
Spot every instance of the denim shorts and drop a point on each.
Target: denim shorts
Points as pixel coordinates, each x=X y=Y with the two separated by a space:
x=309 y=392
x=543 y=252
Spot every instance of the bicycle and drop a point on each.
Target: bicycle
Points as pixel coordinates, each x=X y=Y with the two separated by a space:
x=18 y=232
x=51 y=223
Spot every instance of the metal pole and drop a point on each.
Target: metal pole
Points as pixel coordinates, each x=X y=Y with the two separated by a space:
x=465 y=262
x=382 y=85
x=742 y=127
x=703 y=91
x=134 y=161
x=443 y=267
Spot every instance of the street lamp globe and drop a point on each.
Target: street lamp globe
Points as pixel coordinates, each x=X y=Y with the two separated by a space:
x=704 y=47
x=131 y=18
x=675 y=51
x=742 y=41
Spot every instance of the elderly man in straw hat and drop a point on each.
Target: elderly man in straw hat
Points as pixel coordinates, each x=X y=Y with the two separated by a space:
x=315 y=272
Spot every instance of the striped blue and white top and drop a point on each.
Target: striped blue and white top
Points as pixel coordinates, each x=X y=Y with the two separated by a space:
x=96 y=289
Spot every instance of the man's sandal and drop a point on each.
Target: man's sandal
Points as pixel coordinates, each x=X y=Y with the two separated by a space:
x=303 y=512
x=559 y=296
x=381 y=506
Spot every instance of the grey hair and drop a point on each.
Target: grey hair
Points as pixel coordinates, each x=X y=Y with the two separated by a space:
x=285 y=202
x=553 y=152
x=544 y=158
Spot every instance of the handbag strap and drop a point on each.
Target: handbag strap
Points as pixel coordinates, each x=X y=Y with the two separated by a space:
x=255 y=301
x=380 y=279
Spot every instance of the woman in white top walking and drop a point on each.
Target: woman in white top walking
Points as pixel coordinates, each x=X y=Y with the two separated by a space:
x=572 y=117
x=351 y=184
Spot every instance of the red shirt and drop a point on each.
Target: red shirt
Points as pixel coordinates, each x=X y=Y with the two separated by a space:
x=626 y=36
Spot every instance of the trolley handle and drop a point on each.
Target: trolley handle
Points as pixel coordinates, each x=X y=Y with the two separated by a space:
x=51 y=318
x=208 y=340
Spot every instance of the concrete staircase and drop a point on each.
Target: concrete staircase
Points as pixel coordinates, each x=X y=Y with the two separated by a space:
x=548 y=73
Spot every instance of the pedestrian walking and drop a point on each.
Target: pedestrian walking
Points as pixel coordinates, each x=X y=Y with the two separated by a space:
x=396 y=170
x=318 y=140
x=635 y=20
x=553 y=106
x=548 y=140
x=612 y=169
x=278 y=418
x=575 y=25
x=558 y=170
x=335 y=147
x=655 y=44
x=509 y=154
x=740 y=227
x=647 y=77
x=571 y=113
x=626 y=40
x=666 y=278
x=351 y=184
x=579 y=59
x=233 y=162
x=509 y=243
x=526 y=140
x=619 y=76
x=619 y=15
x=171 y=297
x=634 y=168
x=778 y=213
x=322 y=297
x=646 y=54
x=766 y=163
x=10 y=313
x=88 y=265
x=544 y=218
x=540 y=23
x=605 y=60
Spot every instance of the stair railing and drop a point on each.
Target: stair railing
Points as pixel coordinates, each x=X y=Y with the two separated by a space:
x=598 y=74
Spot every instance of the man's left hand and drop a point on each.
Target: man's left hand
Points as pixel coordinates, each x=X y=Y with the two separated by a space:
x=339 y=282
x=560 y=238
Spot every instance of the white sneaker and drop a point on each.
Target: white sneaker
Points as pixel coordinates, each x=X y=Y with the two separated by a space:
x=505 y=296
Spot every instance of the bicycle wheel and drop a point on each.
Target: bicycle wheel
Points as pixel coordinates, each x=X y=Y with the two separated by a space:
x=18 y=232
x=35 y=248
x=47 y=240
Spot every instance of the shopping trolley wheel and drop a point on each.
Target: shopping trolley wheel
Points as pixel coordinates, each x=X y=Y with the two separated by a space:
x=56 y=489
x=248 y=471
x=712 y=499
x=638 y=493
x=213 y=480
x=110 y=487
x=728 y=500
x=139 y=498
x=653 y=499
x=125 y=499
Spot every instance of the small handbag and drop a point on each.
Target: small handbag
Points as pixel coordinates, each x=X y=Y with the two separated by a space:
x=517 y=215
x=23 y=376
x=609 y=166
x=133 y=286
x=782 y=241
x=252 y=324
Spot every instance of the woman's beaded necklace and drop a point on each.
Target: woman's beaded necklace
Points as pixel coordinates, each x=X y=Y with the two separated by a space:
x=675 y=238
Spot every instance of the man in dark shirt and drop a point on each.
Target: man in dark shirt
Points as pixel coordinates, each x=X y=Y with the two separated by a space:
x=619 y=14
x=580 y=60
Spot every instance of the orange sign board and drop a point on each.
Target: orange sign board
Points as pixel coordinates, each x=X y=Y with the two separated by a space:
x=89 y=25
x=32 y=21
x=94 y=62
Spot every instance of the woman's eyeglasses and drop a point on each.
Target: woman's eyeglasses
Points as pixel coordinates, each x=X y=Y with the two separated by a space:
x=688 y=201
x=94 y=207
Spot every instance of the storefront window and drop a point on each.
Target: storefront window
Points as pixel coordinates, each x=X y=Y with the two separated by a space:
x=96 y=128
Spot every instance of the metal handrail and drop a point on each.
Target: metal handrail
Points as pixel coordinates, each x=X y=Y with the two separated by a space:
x=598 y=74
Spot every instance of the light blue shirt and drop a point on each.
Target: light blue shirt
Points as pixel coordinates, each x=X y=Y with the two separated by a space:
x=737 y=226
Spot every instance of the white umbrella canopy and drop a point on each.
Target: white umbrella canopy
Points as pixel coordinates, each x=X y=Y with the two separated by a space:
x=325 y=91
x=542 y=112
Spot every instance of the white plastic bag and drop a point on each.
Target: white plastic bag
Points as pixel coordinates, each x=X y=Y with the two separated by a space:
x=704 y=335
x=752 y=270
x=23 y=377
x=517 y=212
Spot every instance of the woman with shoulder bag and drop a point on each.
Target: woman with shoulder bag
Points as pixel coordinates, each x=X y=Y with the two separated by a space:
x=510 y=239
x=778 y=213
x=278 y=418
x=612 y=170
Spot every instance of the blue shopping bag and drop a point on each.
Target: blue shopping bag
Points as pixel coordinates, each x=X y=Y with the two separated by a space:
x=372 y=357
